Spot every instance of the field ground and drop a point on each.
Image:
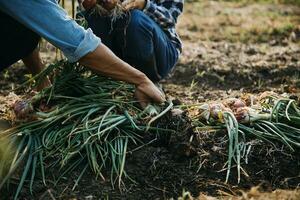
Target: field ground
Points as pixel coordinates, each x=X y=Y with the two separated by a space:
x=229 y=48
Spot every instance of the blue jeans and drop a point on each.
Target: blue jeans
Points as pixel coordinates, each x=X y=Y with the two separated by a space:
x=138 y=40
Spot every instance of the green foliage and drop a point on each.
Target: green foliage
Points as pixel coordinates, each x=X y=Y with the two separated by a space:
x=82 y=119
x=282 y=126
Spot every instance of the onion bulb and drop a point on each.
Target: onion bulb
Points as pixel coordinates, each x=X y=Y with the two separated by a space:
x=248 y=115
x=234 y=103
x=22 y=109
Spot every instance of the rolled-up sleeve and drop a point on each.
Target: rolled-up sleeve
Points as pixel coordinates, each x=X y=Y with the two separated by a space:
x=50 y=21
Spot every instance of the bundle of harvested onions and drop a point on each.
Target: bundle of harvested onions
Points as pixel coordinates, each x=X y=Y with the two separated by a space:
x=82 y=119
x=114 y=9
x=268 y=117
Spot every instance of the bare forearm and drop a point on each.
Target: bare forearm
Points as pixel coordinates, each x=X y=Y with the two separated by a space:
x=104 y=61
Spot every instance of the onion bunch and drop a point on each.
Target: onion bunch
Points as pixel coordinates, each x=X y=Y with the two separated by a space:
x=269 y=117
x=114 y=9
x=213 y=112
x=81 y=120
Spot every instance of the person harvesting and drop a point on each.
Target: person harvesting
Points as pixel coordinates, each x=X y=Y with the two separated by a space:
x=24 y=22
x=141 y=32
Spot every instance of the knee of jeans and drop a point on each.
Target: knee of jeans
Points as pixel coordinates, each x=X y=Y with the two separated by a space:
x=139 y=23
x=139 y=35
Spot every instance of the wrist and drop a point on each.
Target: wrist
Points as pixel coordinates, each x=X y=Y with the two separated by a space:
x=135 y=76
x=140 y=79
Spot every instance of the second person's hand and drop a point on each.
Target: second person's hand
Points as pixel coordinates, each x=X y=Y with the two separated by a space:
x=134 y=4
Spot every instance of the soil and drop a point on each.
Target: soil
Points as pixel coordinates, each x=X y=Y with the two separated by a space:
x=229 y=48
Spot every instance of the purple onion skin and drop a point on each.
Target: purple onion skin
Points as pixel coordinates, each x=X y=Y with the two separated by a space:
x=216 y=109
x=234 y=103
x=22 y=109
x=242 y=115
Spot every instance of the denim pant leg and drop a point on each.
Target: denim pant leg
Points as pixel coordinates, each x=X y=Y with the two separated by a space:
x=112 y=33
x=101 y=27
x=148 y=48
x=138 y=40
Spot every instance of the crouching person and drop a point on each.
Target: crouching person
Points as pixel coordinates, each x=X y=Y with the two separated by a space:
x=144 y=36
x=24 y=22
x=20 y=42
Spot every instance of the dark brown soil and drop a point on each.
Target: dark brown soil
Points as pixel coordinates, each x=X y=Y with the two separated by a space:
x=166 y=171
x=12 y=78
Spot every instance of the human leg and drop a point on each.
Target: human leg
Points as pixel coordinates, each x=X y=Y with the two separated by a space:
x=138 y=40
x=35 y=65
x=17 y=41
x=148 y=48
x=101 y=26
x=20 y=43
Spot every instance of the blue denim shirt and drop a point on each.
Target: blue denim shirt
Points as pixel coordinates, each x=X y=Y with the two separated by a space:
x=50 y=21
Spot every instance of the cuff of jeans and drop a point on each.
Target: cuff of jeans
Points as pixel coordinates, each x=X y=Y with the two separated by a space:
x=149 y=6
x=89 y=43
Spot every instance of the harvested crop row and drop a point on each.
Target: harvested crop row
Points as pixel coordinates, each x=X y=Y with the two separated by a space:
x=268 y=117
x=82 y=119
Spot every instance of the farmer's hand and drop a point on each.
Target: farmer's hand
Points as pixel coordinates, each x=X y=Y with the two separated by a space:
x=88 y=4
x=105 y=62
x=134 y=4
x=146 y=92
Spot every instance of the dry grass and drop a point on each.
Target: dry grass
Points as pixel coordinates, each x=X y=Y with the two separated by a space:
x=244 y=22
x=253 y=194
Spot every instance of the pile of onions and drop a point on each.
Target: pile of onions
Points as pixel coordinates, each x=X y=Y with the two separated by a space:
x=268 y=117
x=241 y=109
